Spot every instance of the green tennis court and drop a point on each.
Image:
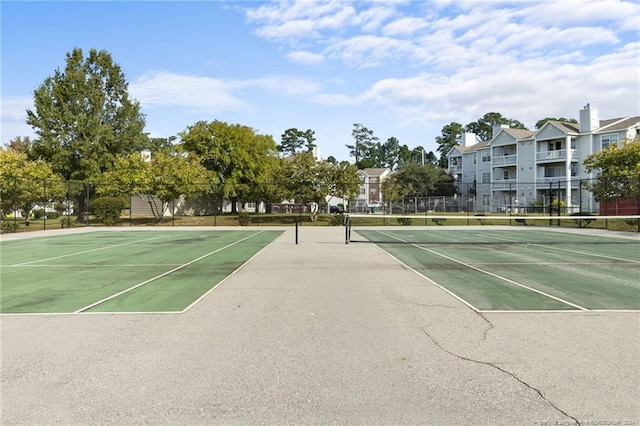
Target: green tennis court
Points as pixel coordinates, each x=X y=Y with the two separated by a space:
x=121 y=271
x=521 y=269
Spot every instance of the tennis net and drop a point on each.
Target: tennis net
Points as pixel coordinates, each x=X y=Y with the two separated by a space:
x=491 y=229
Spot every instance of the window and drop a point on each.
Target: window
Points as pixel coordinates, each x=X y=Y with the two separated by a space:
x=486 y=200
x=373 y=180
x=362 y=190
x=486 y=157
x=374 y=191
x=486 y=177
x=607 y=140
x=505 y=174
x=474 y=159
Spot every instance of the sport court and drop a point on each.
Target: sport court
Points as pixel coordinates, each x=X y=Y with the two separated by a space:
x=121 y=271
x=518 y=268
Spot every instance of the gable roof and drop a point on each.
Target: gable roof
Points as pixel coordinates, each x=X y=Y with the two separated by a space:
x=622 y=123
x=378 y=171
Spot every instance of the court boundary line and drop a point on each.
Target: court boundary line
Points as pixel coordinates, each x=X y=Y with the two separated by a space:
x=404 y=265
x=229 y=276
x=113 y=296
x=566 y=302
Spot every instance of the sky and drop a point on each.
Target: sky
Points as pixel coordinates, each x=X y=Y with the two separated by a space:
x=403 y=69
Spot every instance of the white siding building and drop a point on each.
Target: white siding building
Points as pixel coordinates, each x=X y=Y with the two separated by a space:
x=519 y=169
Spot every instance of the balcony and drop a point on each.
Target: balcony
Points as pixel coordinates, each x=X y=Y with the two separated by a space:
x=455 y=168
x=504 y=184
x=505 y=159
x=557 y=155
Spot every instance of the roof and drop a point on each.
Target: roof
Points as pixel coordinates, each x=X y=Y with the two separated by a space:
x=375 y=171
x=622 y=123
x=565 y=126
x=519 y=133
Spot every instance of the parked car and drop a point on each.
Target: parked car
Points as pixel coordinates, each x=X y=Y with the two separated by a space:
x=336 y=209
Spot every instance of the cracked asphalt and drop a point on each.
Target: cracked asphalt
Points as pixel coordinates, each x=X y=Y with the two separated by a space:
x=322 y=333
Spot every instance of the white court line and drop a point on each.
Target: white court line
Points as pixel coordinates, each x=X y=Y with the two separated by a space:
x=229 y=276
x=162 y=275
x=489 y=273
x=568 y=250
x=86 y=251
x=460 y=299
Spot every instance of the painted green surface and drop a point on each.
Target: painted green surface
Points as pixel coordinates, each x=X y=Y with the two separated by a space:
x=69 y=273
x=525 y=270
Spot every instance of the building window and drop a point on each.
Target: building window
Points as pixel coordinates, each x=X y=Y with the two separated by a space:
x=505 y=174
x=486 y=157
x=486 y=200
x=374 y=191
x=607 y=140
x=362 y=190
x=474 y=159
x=373 y=180
x=555 y=146
x=486 y=177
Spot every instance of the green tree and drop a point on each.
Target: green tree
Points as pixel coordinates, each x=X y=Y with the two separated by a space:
x=310 y=182
x=542 y=122
x=84 y=118
x=240 y=158
x=294 y=140
x=450 y=137
x=363 y=147
x=618 y=170
x=417 y=180
x=23 y=145
x=158 y=182
x=483 y=128
x=25 y=183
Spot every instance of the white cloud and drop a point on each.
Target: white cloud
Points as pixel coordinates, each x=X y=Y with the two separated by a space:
x=170 y=89
x=404 y=26
x=305 y=58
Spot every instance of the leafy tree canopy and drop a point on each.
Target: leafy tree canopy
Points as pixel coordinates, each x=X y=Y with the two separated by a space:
x=483 y=127
x=159 y=181
x=619 y=171
x=542 y=122
x=417 y=180
x=84 y=118
x=25 y=183
x=240 y=158
x=294 y=140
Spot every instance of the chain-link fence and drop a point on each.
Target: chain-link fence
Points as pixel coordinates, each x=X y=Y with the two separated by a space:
x=55 y=204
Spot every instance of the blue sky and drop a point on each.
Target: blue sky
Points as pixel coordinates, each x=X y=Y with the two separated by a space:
x=403 y=69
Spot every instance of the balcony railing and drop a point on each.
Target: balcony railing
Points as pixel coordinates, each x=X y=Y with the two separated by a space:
x=504 y=184
x=504 y=159
x=455 y=169
x=560 y=154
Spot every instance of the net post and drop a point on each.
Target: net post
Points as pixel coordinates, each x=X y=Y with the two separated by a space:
x=347 y=230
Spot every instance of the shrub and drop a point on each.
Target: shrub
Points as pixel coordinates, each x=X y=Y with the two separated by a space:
x=439 y=221
x=37 y=214
x=107 y=209
x=337 y=220
x=8 y=226
x=405 y=221
x=583 y=223
x=243 y=218
x=53 y=215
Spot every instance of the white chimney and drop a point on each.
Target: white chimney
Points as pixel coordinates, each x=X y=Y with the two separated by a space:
x=469 y=139
x=589 y=119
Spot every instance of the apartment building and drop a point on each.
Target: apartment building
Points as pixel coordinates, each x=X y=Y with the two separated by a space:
x=521 y=170
x=370 y=196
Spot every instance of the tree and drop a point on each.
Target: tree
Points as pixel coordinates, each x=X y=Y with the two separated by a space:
x=83 y=117
x=417 y=180
x=22 y=145
x=25 y=183
x=619 y=171
x=450 y=137
x=309 y=181
x=240 y=158
x=483 y=128
x=363 y=145
x=294 y=140
x=158 y=182
x=542 y=122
